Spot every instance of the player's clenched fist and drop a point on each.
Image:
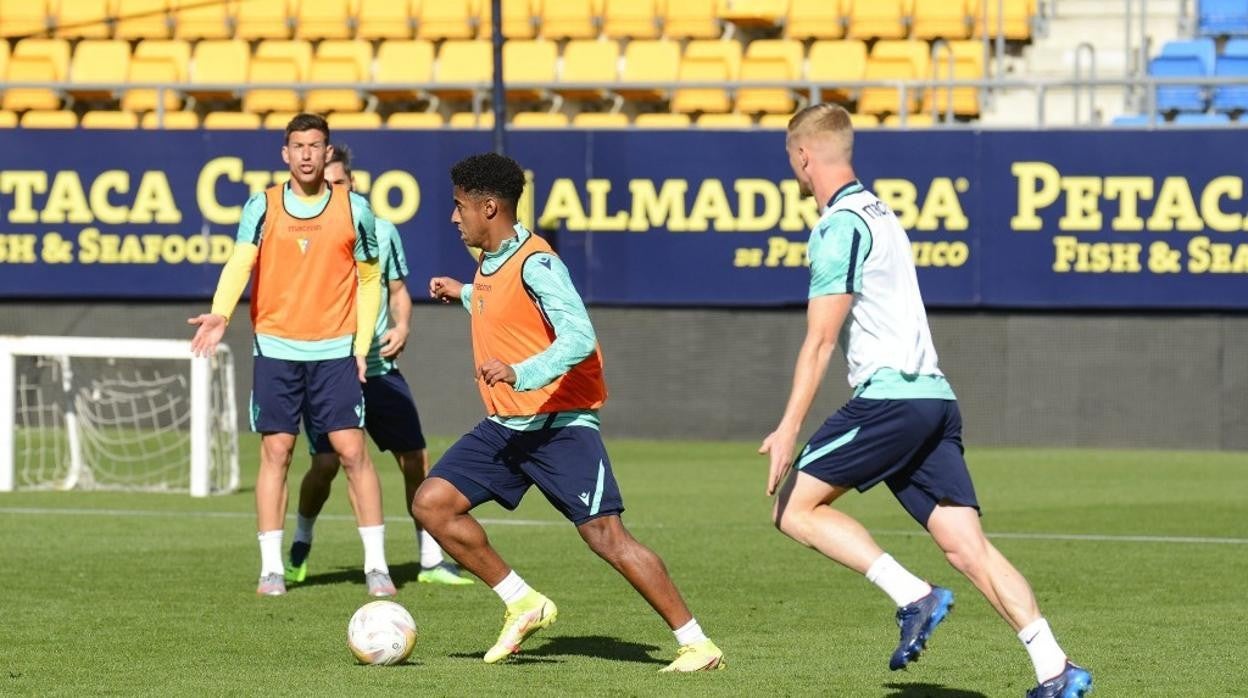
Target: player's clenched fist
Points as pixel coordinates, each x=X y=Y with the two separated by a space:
x=495 y=371
x=444 y=288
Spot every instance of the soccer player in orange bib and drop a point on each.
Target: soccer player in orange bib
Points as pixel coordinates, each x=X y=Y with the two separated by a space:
x=539 y=372
x=316 y=295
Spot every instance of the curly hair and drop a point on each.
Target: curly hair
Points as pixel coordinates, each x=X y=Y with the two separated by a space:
x=489 y=173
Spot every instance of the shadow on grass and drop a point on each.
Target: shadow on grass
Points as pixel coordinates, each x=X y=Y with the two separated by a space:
x=596 y=646
x=928 y=690
x=401 y=575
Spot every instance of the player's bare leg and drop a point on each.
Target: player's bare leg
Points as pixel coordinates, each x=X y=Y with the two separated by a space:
x=645 y=570
x=442 y=510
x=314 y=491
x=434 y=568
x=275 y=453
x=364 y=490
x=958 y=532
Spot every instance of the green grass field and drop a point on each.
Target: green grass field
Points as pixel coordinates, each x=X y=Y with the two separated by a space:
x=1139 y=560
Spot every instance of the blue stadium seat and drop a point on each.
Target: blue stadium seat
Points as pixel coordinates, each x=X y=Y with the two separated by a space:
x=1201 y=120
x=1231 y=97
x=1203 y=49
x=1132 y=120
x=1235 y=47
x=1219 y=17
x=1186 y=59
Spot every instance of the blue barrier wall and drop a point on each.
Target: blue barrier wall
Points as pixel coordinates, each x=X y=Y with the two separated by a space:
x=1049 y=219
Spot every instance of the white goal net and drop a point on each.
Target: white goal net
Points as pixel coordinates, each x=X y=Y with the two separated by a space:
x=123 y=414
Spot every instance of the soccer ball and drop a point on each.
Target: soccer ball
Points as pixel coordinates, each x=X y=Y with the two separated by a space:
x=381 y=633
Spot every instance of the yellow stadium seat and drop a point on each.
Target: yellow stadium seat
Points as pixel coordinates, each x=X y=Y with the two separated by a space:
x=277 y=120
x=519 y=19
x=912 y=121
x=56 y=51
x=529 y=61
x=263 y=19
x=569 y=19
x=23 y=17
x=98 y=61
x=232 y=121
x=736 y=121
x=49 y=118
x=194 y=19
x=788 y=50
x=702 y=99
x=815 y=19
x=592 y=119
x=631 y=19
x=879 y=19
x=121 y=120
x=589 y=62
x=154 y=69
x=415 y=120
x=940 y=18
x=1015 y=20
x=354 y=121
x=778 y=100
x=384 y=19
x=776 y=121
x=753 y=13
x=359 y=51
x=142 y=19
x=219 y=61
x=728 y=52
x=399 y=65
x=8 y=119
x=968 y=64
x=4 y=57
x=176 y=51
x=297 y=51
x=832 y=62
x=323 y=19
x=880 y=100
x=445 y=19
x=463 y=62
x=691 y=19
x=917 y=52
x=662 y=120
x=341 y=70
x=81 y=19
x=267 y=99
x=179 y=120
x=533 y=119
x=863 y=121
x=467 y=119
x=30 y=69
x=649 y=61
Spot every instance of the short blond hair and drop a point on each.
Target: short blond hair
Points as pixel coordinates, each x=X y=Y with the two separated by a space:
x=821 y=121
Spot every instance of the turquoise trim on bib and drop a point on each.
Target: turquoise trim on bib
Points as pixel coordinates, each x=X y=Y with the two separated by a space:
x=891 y=384
x=302 y=350
x=571 y=418
x=593 y=510
x=809 y=456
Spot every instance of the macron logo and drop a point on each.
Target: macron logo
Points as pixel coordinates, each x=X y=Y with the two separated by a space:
x=544 y=261
x=584 y=497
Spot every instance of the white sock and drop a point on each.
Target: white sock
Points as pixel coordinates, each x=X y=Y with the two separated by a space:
x=689 y=633
x=1048 y=659
x=512 y=588
x=430 y=551
x=374 y=538
x=896 y=581
x=303 y=528
x=270 y=552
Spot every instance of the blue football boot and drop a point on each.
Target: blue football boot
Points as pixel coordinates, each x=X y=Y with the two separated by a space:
x=1073 y=682
x=918 y=620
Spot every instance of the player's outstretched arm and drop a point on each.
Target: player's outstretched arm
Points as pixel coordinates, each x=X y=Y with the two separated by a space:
x=446 y=289
x=395 y=339
x=210 y=326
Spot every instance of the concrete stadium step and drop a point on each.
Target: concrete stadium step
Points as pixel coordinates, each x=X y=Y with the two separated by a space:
x=1018 y=107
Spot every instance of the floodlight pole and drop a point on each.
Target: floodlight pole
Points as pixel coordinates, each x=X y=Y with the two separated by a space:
x=499 y=103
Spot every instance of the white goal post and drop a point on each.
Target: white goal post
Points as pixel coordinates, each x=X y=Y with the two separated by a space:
x=116 y=413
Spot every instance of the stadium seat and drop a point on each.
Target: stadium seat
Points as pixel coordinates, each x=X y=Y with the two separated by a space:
x=912 y=121
x=357 y=121
x=23 y=17
x=415 y=120
x=30 y=69
x=519 y=20
x=1232 y=63
x=880 y=100
x=81 y=19
x=142 y=19
x=462 y=62
x=968 y=64
x=1015 y=18
x=631 y=19
x=547 y=120
x=529 y=61
x=1203 y=49
x=879 y=19
x=277 y=120
x=858 y=121
x=691 y=19
x=917 y=52
x=384 y=19
x=56 y=51
x=336 y=70
x=400 y=64
x=662 y=120
x=359 y=51
x=832 y=62
x=649 y=61
x=569 y=19
x=323 y=19
x=789 y=50
x=202 y=20
x=180 y=120
x=98 y=61
x=752 y=100
x=231 y=121
x=155 y=69
x=218 y=61
x=589 y=62
x=1131 y=120
x=815 y=19
x=591 y=119
x=728 y=52
x=49 y=118
x=774 y=121
x=702 y=99
x=1214 y=119
x=4 y=57
x=754 y=14
x=467 y=119
x=729 y=121
x=263 y=19
x=119 y=120
x=1183 y=59
x=445 y=19
x=949 y=19
x=1219 y=17
x=267 y=99
x=8 y=119
x=297 y=51
x=176 y=51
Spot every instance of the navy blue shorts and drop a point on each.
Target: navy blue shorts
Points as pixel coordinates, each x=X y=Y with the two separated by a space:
x=569 y=465
x=327 y=392
x=390 y=417
x=914 y=446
